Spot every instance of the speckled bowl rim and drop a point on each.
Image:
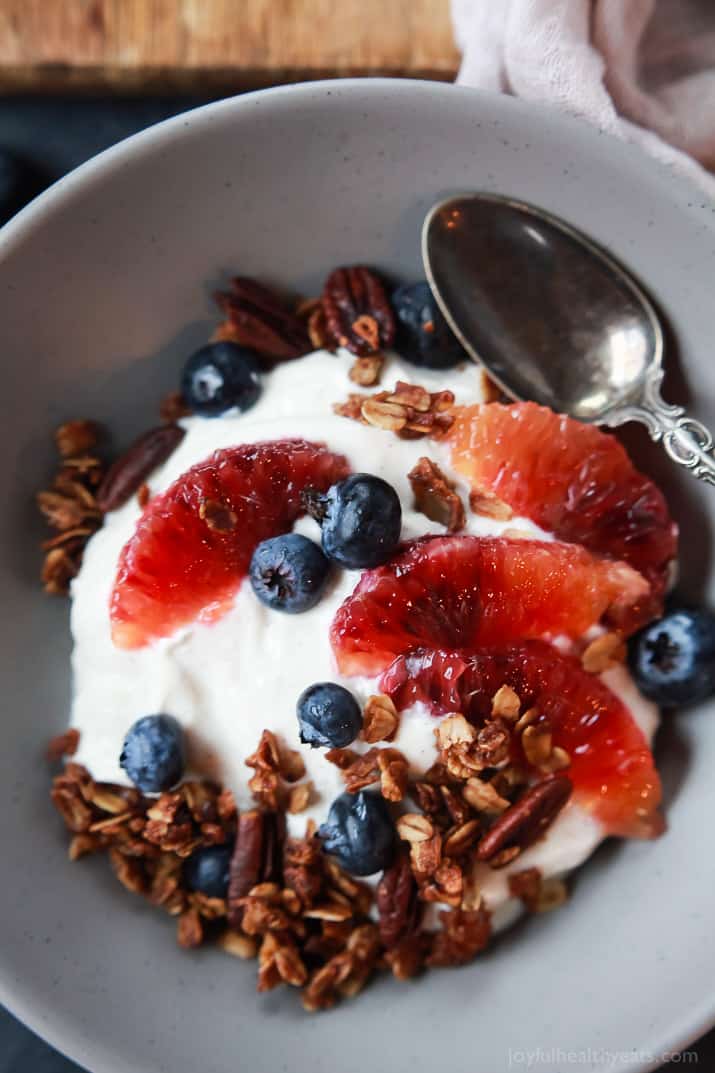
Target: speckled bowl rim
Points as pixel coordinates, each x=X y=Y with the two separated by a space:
x=686 y=1025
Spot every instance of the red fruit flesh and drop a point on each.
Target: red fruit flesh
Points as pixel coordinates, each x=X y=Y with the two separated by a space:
x=571 y=479
x=611 y=768
x=177 y=568
x=463 y=591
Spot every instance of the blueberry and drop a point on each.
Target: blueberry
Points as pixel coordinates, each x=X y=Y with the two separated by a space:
x=153 y=753
x=206 y=870
x=673 y=660
x=361 y=521
x=220 y=376
x=423 y=335
x=359 y=831
x=288 y=573
x=328 y=715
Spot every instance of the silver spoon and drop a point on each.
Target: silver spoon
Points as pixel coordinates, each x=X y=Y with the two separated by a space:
x=554 y=318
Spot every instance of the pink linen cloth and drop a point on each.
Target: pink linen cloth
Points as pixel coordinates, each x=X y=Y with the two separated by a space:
x=641 y=69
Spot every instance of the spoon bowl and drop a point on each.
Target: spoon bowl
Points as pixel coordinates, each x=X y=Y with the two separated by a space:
x=554 y=318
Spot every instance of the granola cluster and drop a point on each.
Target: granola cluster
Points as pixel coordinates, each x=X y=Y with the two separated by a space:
x=308 y=923
x=409 y=410
x=70 y=505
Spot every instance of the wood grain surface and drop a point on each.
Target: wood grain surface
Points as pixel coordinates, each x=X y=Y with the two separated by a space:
x=206 y=45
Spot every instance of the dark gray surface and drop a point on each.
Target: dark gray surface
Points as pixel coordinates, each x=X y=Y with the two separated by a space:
x=56 y=136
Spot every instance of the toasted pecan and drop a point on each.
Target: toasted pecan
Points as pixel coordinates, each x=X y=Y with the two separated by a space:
x=397 y=902
x=357 y=311
x=131 y=469
x=258 y=318
x=526 y=820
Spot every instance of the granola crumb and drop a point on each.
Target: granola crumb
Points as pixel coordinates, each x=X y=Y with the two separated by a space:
x=490 y=389
x=237 y=944
x=81 y=845
x=538 y=894
x=62 y=745
x=506 y=703
x=58 y=570
x=552 y=893
x=305 y=306
x=190 y=932
x=381 y=720
x=317 y=328
x=414 y=827
x=490 y=506
x=603 y=653
x=218 y=517
x=536 y=743
x=77 y=437
x=515 y=533
x=526 y=885
x=173 y=408
x=530 y=716
x=483 y=797
x=366 y=371
x=435 y=495
x=299 y=797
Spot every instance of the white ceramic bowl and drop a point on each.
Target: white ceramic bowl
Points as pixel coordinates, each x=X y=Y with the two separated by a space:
x=105 y=286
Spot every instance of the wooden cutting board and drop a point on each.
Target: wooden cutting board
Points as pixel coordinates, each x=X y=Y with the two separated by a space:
x=218 y=45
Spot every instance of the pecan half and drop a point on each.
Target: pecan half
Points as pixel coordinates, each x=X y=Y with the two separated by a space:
x=259 y=319
x=397 y=902
x=129 y=472
x=435 y=496
x=246 y=862
x=357 y=311
x=522 y=823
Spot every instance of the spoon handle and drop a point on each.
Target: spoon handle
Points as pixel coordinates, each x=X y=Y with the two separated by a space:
x=686 y=440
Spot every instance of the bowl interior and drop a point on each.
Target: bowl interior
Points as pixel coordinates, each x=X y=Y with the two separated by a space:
x=105 y=286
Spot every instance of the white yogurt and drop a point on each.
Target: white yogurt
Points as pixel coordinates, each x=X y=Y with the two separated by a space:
x=226 y=681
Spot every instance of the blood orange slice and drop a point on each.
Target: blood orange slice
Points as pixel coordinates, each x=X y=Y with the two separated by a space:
x=193 y=543
x=463 y=591
x=611 y=767
x=571 y=479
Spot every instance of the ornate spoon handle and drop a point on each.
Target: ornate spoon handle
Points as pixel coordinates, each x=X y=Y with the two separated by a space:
x=686 y=440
